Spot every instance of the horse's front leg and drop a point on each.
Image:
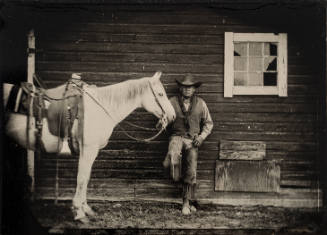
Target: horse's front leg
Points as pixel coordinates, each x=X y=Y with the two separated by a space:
x=86 y=159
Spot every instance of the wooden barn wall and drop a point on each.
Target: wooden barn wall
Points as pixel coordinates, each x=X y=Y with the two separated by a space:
x=111 y=44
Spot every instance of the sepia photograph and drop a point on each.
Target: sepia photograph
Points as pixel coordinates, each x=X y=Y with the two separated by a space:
x=163 y=117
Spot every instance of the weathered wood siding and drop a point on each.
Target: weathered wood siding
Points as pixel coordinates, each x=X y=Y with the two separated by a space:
x=110 y=44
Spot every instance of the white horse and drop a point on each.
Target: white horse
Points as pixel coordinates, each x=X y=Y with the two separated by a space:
x=104 y=108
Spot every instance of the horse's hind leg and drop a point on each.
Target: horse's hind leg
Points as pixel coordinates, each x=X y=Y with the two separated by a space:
x=87 y=157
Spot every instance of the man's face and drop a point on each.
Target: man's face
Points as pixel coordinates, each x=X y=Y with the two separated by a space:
x=187 y=91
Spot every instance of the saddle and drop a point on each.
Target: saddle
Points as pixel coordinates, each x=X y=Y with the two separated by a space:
x=60 y=113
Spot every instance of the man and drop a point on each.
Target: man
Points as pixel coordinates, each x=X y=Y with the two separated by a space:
x=191 y=127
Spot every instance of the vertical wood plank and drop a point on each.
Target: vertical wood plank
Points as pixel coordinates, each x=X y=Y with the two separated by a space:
x=324 y=151
x=229 y=65
x=247 y=176
x=30 y=73
x=282 y=65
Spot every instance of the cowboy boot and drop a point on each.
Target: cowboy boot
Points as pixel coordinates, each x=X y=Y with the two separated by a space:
x=186 y=207
x=186 y=199
x=192 y=207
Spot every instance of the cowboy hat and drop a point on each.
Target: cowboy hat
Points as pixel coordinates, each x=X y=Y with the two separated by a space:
x=188 y=80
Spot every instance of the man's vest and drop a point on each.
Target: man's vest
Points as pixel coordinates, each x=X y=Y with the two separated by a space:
x=194 y=120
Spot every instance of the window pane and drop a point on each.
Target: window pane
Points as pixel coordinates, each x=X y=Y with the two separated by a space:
x=240 y=79
x=240 y=63
x=255 y=49
x=255 y=64
x=270 y=63
x=270 y=48
x=255 y=79
x=270 y=79
x=240 y=49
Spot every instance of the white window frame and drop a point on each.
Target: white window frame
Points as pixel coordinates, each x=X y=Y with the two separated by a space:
x=230 y=89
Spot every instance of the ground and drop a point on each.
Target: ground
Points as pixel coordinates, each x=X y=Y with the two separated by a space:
x=163 y=216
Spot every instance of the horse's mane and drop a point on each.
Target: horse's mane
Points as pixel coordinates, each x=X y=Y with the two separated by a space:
x=123 y=92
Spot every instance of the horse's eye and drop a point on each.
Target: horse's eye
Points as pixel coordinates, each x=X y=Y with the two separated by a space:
x=160 y=94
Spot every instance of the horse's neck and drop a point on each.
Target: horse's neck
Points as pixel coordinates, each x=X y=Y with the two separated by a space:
x=122 y=99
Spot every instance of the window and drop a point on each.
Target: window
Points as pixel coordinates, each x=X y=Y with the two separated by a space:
x=255 y=64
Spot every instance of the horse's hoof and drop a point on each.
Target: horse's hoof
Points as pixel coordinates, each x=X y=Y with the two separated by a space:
x=84 y=220
x=186 y=210
x=79 y=213
x=192 y=208
x=88 y=210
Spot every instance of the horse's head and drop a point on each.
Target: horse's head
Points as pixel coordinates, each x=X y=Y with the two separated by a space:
x=155 y=101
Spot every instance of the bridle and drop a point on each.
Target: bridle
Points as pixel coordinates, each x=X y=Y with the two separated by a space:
x=163 y=118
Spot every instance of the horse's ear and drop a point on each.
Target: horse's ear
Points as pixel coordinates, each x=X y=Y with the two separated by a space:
x=157 y=75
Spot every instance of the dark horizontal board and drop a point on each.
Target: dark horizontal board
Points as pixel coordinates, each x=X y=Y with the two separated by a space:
x=109 y=47
x=306 y=176
x=64 y=27
x=133 y=67
x=139 y=57
x=264 y=108
x=266 y=126
x=102 y=37
x=171 y=16
x=301 y=146
x=299 y=183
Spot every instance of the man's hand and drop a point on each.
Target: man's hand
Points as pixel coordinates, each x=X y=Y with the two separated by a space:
x=197 y=141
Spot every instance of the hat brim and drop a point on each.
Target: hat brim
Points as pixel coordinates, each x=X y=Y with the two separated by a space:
x=196 y=84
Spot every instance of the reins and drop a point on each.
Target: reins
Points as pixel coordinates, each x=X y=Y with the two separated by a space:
x=108 y=113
